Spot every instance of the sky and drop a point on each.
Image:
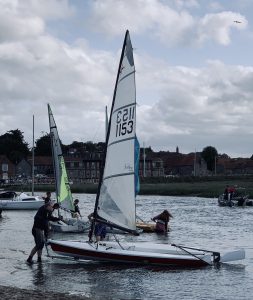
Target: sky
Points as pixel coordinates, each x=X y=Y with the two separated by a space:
x=193 y=59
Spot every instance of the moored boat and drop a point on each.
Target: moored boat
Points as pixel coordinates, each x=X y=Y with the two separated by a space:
x=19 y=201
x=235 y=201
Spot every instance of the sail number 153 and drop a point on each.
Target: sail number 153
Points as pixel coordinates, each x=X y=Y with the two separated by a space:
x=125 y=121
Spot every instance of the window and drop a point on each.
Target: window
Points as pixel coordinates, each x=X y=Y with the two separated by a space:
x=5 y=167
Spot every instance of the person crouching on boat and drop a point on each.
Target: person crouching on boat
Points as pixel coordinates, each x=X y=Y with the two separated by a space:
x=76 y=212
x=40 y=228
x=162 y=221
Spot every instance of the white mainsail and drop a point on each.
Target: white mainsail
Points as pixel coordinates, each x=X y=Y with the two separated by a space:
x=116 y=201
x=63 y=192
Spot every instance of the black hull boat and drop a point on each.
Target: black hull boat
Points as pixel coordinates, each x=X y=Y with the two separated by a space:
x=235 y=201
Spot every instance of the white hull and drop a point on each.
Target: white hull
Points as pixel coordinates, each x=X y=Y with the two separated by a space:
x=22 y=202
x=72 y=226
x=141 y=253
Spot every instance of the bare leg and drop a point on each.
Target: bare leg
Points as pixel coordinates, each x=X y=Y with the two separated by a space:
x=34 y=250
x=39 y=252
x=29 y=259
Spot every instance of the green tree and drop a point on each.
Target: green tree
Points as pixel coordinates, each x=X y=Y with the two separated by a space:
x=209 y=154
x=43 y=145
x=13 y=145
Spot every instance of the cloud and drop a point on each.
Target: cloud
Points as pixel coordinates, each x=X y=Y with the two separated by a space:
x=217 y=27
x=211 y=105
x=37 y=68
x=177 y=105
x=172 y=26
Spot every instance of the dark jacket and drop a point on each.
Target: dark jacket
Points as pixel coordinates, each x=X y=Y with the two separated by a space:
x=42 y=217
x=76 y=209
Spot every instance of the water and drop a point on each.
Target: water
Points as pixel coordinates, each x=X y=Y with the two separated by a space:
x=197 y=222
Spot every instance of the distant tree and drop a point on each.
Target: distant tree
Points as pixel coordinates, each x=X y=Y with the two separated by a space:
x=89 y=146
x=13 y=145
x=76 y=145
x=209 y=153
x=43 y=145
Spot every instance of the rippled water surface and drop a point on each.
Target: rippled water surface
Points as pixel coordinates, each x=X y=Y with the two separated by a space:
x=197 y=222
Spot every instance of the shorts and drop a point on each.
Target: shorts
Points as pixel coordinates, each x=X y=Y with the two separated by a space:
x=39 y=238
x=160 y=228
x=100 y=230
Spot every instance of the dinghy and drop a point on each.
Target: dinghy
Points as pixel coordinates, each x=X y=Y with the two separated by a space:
x=62 y=186
x=235 y=201
x=115 y=200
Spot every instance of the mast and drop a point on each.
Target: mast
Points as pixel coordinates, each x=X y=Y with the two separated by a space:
x=106 y=122
x=53 y=151
x=195 y=161
x=95 y=214
x=33 y=161
x=144 y=160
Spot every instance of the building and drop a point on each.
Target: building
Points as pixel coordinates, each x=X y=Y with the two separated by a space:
x=7 y=168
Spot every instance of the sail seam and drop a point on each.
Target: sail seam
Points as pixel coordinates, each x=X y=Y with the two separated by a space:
x=118 y=175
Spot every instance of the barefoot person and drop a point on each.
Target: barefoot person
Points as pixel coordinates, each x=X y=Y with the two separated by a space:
x=40 y=228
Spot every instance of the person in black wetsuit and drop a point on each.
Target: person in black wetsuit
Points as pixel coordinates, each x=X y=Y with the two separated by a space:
x=76 y=212
x=226 y=192
x=40 y=228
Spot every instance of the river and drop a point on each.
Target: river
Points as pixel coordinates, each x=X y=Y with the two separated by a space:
x=197 y=222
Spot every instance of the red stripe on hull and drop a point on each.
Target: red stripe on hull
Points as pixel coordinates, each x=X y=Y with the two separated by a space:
x=93 y=254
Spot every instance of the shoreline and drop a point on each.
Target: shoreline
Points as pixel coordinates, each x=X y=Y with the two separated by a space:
x=10 y=292
x=192 y=188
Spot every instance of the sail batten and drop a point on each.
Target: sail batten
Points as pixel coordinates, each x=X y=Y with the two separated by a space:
x=122 y=140
x=126 y=76
x=133 y=103
x=118 y=175
x=116 y=197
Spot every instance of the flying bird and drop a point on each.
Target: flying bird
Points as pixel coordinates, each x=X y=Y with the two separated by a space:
x=237 y=21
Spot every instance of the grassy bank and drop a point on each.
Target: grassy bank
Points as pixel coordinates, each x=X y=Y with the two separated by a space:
x=187 y=186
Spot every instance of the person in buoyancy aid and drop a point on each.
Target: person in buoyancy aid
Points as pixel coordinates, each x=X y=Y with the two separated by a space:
x=76 y=212
x=162 y=221
x=226 y=192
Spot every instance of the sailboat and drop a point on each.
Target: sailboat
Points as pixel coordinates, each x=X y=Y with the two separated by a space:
x=62 y=186
x=10 y=200
x=115 y=200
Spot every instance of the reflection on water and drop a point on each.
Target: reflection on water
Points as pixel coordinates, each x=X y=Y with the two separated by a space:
x=197 y=222
x=38 y=274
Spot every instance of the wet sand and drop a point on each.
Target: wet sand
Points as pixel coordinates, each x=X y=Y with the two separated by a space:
x=14 y=293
